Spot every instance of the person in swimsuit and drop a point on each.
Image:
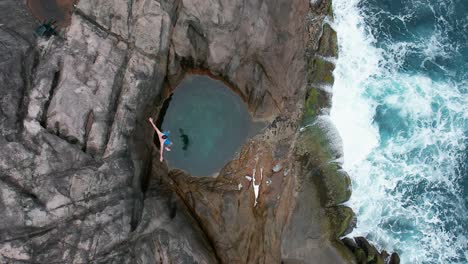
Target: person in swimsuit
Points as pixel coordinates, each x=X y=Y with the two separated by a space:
x=164 y=141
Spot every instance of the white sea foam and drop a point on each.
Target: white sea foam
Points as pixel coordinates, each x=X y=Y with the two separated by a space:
x=333 y=137
x=406 y=190
x=358 y=60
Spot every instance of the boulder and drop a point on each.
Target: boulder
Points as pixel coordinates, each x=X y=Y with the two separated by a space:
x=394 y=258
x=364 y=252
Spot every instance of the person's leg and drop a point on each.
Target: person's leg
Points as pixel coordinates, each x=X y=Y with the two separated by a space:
x=161 y=155
x=161 y=149
x=167 y=144
x=155 y=127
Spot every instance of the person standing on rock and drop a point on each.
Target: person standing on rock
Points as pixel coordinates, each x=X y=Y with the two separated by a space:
x=164 y=142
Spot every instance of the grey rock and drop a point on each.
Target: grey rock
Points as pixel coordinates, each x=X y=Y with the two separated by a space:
x=17 y=56
x=394 y=258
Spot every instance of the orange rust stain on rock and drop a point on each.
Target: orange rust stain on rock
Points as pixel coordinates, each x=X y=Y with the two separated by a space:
x=58 y=10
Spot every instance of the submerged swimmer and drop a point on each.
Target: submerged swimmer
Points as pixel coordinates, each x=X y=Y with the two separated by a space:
x=164 y=141
x=185 y=139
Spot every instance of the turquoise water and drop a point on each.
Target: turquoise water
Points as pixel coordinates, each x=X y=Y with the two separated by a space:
x=207 y=122
x=400 y=103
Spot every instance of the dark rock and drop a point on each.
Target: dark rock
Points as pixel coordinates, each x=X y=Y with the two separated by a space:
x=394 y=258
x=370 y=250
x=17 y=56
x=384 y=255
x=361 y=256
x=364 y=252
x=320 y=72
x=316 y=100
x=342 y=220
x=328 y=45
x=378 y=259
x=46 y=30
x=350 y=243
x=316 y=147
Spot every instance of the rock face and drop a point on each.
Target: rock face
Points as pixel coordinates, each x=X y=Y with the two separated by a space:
x=80 y=178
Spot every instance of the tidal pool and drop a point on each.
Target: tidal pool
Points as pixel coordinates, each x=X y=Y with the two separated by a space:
x=208 y=123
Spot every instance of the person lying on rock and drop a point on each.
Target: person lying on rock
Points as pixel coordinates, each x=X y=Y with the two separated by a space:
x=164 y=141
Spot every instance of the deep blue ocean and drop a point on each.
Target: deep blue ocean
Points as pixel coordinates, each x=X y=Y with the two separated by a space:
x=400 y=103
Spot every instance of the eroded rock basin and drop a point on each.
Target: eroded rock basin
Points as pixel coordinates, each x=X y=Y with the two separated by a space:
x=208 y=123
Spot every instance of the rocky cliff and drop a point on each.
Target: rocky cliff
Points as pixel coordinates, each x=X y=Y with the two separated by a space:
x=80 y=177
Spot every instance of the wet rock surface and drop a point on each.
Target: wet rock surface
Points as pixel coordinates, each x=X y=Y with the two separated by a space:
x=367 y=253
x=80 y=177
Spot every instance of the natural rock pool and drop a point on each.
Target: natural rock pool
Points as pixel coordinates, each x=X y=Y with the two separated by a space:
x=208 y=123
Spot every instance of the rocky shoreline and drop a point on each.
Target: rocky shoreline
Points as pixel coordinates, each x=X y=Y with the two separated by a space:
x=80 y=177
x=334 y=181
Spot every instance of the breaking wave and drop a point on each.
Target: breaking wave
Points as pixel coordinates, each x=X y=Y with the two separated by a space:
x=400 y=103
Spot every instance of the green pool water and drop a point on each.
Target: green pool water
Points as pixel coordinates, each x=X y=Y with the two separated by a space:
x=208 y=123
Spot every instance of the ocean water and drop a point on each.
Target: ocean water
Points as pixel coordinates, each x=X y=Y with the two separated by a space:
x=207 y=122
x=400 y=103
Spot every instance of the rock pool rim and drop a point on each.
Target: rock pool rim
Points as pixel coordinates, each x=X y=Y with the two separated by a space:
x=167 y=94
x=170 y=86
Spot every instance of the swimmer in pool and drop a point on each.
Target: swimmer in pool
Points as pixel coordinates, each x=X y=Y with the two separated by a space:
x=164 y=141
x=185 y=139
